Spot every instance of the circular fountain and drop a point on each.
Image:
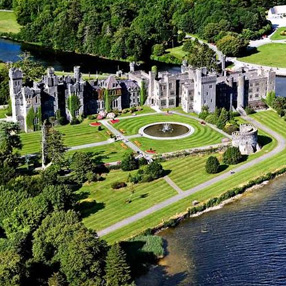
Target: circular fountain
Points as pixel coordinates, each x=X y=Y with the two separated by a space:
x=166 y=130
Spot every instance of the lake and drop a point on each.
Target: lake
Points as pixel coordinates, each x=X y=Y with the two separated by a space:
x=241 y=244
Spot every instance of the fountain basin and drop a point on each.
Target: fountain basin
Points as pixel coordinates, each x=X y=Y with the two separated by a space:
x=166 y=130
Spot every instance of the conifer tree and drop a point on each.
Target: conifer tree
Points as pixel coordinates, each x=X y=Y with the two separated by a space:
x=117 y=270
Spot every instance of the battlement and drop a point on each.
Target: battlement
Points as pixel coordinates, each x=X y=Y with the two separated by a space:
x=15 y=74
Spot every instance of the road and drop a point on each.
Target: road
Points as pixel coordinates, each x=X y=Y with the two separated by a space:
x=280 y=147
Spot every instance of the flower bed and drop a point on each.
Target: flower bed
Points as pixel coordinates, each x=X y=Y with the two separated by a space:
x=93 y=124
x=151 y=151
x=114 y=121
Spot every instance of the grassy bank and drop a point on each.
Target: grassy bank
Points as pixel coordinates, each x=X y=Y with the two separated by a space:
x=277 y=36
x=270 y=119
x=273 y=55
x=8 y=23
x=2 y=113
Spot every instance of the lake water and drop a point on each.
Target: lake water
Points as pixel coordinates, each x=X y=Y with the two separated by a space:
x=10 y=51
x=241 y=244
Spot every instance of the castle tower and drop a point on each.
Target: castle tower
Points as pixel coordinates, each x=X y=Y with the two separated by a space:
x=204 y=90
x=15 y=87
x=132 y=67
x=240 y=91
x=77 y=73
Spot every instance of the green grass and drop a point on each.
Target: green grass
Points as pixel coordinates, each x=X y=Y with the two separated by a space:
x=145 y=110
x=202 y=136
x=2 y=113
x=108 y=153
x=8 y=23
x=177 y=52
x=276 y=36
x=270 y=119
x=105 y=206
x=273 y=55
x=74 y=135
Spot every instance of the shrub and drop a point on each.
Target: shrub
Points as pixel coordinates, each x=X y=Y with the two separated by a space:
x=74 y=121
x=232 y=156
x=118 y=185
x=158 y=49
x=212 y=119
x=230 y=128
x=129 y=162
x=249 y=110
x=212 y=165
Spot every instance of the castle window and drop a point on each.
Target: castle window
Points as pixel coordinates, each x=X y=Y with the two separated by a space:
x=257 y=89
x=256 y=95
x=211 y=86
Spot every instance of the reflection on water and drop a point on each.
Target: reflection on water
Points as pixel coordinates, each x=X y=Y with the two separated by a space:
x=10 y=51
x=244 y=243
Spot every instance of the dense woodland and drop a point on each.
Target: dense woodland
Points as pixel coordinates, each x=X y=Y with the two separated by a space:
x=130 y=28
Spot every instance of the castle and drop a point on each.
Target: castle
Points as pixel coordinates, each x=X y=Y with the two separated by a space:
x=246 y=139
x=70 y=96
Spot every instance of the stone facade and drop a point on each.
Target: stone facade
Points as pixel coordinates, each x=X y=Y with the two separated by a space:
x=246 y=139
x=49 y=97
x=194 y=88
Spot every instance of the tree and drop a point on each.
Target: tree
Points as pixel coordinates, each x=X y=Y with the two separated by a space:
x=55 y=147
x=212 y=165
x=82 y=259
x=154 y=170
x=56 y=280
x=158 y=50
x=232 y=156
x=129 y=162
x=11 y=268
x=270 y=98
x=232 y=45
x=117 y=270
x=82 y=166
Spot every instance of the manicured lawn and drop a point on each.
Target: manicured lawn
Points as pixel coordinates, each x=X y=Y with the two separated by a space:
x=145 y=110
x=2 y=113
x=74 y=135
x=269 y=118
x=277 y=36
x=105 y=206
x=105 y=154
x=177 y=52
x=202 y=136
x=268 y=55
x=8 y=23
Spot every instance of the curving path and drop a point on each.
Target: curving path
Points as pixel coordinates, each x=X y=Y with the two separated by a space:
x=280 y=147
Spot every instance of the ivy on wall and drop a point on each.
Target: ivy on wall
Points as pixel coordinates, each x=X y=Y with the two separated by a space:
x=73 y=104
x=107 y=102
x=142 y=93
x=31 y=119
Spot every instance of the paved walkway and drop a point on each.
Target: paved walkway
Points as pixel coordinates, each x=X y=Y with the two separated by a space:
x=280 y=147
x=208 y=124
x=173 y=185
x=119 y=134
x=90 y=145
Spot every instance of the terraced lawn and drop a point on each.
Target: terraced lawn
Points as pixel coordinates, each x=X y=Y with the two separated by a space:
x=105 y=206
x=74 y=135
x=145 y=109
x=202 y=136
x=105 y=154
x=270 y=119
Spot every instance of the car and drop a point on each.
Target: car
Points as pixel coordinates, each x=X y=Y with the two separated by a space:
x=232 y=172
